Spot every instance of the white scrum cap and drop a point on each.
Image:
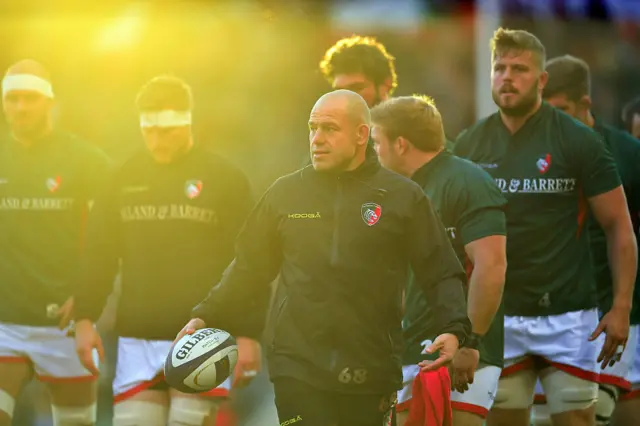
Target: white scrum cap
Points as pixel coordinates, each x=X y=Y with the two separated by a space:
x=165 y=118
x=27 y=75
x=26 y=82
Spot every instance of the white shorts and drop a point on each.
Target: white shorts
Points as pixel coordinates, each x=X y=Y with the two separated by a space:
x=562 y=341
x=50 y=352
x=634 y=375
x=140 y=366
x=620 y=373
x=478 y=399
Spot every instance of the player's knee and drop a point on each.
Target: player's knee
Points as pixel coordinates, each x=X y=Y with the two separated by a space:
x=515 y=392
x=7 y=403
x=74 y=416
x=139 y=413
x=189 y=411
x=607 y=398
x=568 y=393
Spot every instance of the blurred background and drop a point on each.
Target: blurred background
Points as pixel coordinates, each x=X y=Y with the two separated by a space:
x=253 y=67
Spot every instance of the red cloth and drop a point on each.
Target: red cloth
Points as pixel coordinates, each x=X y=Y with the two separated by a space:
x=226 y=416
x=431 y=399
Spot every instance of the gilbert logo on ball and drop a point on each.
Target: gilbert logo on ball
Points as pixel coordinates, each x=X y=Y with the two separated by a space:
x=201 y=361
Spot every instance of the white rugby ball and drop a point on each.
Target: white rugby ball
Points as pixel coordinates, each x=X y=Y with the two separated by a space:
x=201 y=361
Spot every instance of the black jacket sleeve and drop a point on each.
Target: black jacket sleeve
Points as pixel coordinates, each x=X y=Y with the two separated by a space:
x=437 y=270
x=239 y=303
x=100 y=258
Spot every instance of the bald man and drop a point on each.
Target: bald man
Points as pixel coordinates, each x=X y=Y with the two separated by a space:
x=48 y=180
x=343 y=234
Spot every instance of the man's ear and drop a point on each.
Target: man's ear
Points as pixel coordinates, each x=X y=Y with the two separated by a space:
x=364 y=132
x=403 y=146
x=585 y=102
x=384 y=89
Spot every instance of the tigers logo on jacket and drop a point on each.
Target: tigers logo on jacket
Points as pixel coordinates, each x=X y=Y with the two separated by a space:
x=371 y=213
x=53 y=184
x=193 y=188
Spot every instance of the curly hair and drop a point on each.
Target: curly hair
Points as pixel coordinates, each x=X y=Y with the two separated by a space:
x=358 y=54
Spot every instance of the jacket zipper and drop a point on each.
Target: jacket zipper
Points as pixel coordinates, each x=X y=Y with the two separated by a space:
x=336 y=223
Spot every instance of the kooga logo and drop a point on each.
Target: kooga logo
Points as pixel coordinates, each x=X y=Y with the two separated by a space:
x=186 y=348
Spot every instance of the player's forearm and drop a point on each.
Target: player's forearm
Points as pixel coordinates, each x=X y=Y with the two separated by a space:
x=95 y=282
x=623 y=258
x=238 y=304
x=485 y=295
x=89 y=305
x=92 y=293
x=451 y=308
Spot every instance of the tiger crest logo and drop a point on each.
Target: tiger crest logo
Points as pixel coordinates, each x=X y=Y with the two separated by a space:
x=53 y=183
x=193 y=188
x=371 y=213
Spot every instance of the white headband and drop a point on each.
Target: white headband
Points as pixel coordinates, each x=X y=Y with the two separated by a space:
x=165 y=118
x=27 y=82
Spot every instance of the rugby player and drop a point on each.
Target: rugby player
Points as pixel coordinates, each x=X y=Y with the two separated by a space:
x=170 y=217
x=362 y=65
x=628 y=407
x=569 y=89
x=409 y=139
x=48 y=179
x=552 y=170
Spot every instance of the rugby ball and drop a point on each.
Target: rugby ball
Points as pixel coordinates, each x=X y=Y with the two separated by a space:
x=201 y=361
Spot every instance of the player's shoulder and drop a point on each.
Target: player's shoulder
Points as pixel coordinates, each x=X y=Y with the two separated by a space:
x=85 y=157
x=620 y=138
x=134 y=163
x=81 y=148
x=570 y=129
x=294 y=178
x=387 y=179
x=465 y=176
x=218 y=166
x=290 y=184
x=469 y=170
x=480 y=126
x=472 y=134
x=402 y=187
x=570 y=136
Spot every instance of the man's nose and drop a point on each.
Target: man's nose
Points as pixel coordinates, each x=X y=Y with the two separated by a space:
x=507 y=75
x=317 y=138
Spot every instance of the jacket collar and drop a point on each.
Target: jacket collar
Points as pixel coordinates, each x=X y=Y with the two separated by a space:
x=368 y=168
